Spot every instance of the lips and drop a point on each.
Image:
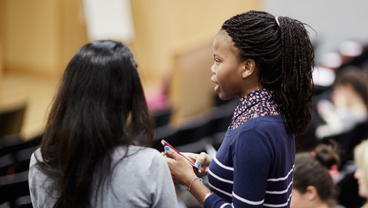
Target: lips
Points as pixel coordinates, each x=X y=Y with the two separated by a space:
x=216 y=88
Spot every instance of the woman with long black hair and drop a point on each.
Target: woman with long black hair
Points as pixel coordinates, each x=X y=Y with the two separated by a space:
x=87 y=157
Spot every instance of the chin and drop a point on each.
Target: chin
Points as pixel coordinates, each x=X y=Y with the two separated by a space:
x=224 y=97
x=363 y=194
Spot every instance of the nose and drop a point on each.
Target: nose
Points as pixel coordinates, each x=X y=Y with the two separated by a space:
x=213 y=68
x=357 y=173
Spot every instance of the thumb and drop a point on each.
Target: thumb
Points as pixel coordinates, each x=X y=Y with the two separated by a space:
x=202 y=157
x=171 y=153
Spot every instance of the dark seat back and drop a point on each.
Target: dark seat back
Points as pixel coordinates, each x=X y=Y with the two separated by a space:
x=14 y=167
x=11 y=120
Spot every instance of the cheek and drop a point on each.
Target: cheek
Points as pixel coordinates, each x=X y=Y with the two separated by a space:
x=296 y=199
x=363 y=192
x=339 y=98
x=294 y=202
x=221 y=77
x=226 y=73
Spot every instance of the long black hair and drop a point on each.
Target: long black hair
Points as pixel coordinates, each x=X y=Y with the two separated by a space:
x=100 y=105
x=284 y=53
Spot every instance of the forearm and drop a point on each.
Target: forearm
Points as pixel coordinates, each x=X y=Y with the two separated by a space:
x=182 y=173
x=198 y=190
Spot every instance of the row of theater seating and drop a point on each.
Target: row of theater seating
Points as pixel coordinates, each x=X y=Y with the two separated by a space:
x=197 y=133
x=15 y=156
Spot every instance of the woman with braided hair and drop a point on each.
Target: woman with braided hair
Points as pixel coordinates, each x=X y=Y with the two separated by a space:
x=267 y=62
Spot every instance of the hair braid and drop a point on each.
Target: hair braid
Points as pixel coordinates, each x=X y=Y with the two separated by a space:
x=285 y=57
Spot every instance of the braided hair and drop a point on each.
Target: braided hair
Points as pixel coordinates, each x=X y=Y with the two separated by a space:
x=284 y=54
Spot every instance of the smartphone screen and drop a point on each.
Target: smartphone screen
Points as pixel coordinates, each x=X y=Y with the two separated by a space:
x=165 y=143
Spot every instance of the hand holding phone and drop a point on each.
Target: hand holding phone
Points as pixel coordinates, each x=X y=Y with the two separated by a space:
x=165 y=143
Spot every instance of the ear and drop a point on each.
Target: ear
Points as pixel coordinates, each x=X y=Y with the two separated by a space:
x=311 y=192
x=249 y=67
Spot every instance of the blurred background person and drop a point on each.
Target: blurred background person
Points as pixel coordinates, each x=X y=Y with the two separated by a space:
x=349 y=104
x=313 y=185
x=361 y=174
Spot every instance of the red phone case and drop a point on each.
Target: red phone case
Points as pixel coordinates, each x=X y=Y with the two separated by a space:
x=165 y=143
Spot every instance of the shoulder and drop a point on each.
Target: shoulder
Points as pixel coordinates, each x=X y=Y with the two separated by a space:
x=36 y=154
x=268 y=132
x=145 y=152
x=264 y=125
x=137 y=151
x=260 y=123
x=143 y=156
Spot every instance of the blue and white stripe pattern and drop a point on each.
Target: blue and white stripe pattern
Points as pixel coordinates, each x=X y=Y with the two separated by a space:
x=254 y=166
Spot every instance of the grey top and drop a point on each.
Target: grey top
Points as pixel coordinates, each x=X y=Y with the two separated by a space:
x=142 y=179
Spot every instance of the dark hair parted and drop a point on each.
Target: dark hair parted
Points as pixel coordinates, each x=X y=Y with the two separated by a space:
x=313 y=170
x=100 y=105
x=285 y=56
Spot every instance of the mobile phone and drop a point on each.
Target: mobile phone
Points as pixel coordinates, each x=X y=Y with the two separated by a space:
x=165 y=143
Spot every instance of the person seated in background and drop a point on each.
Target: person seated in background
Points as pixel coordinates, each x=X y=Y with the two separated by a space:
x=313 y=185
x=349 y=103
x=157 y=100
x=361 y=174
x=87 y=156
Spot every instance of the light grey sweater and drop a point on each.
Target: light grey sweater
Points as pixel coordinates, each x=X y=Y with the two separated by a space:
x=141 y=180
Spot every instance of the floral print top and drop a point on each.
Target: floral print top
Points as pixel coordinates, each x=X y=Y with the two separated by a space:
x=255 y=104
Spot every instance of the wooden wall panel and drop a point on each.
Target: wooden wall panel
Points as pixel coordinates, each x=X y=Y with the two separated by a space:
x=30 y=36
x=41 y=36
x=191 y=90
x=162 y=26
x=2 y=10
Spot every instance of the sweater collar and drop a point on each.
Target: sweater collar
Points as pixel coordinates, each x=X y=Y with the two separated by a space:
x=253 y=98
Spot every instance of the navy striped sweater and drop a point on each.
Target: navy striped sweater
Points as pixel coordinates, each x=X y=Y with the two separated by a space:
x=254 y=166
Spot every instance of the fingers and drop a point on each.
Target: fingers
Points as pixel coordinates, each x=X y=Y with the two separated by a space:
x=171 y=153
x=201 y=159
x=191 y=156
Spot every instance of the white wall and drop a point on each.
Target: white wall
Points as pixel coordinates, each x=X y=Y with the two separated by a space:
x=333 y=20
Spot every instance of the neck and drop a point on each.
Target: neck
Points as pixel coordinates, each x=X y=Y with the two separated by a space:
x=317 y=203
x=324 y=205
x=251 y=88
